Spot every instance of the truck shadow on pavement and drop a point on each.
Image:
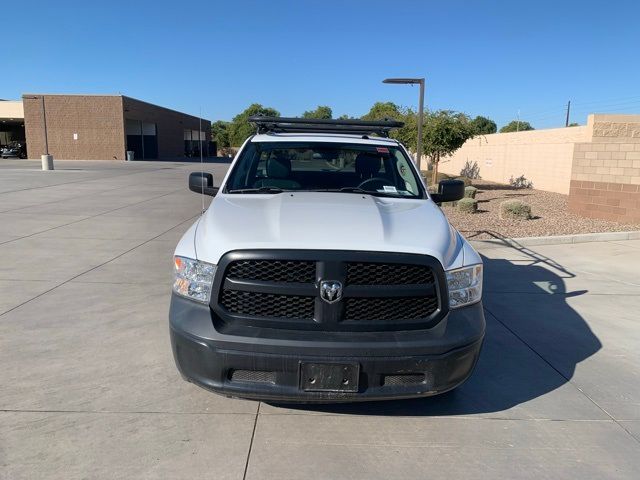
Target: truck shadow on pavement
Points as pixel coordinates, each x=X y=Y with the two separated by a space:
x=533 y=342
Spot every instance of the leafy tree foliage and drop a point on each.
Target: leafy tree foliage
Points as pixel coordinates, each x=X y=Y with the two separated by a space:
x=516 y=126
x=388 y=110
x=322 y=112
x=574 y=124
x=484 y=125
x=444 y=132
x=382 y=110
x=240 y=128
x=220 y=133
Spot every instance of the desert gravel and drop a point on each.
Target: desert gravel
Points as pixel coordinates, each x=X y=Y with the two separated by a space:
x=549 y=210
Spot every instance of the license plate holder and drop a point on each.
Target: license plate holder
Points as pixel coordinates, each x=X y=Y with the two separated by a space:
x=329 y=377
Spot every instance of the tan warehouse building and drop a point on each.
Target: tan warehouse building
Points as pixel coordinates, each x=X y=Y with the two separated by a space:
x=103 y=127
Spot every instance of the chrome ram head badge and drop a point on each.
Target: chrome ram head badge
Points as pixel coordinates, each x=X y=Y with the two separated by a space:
x=330 y=291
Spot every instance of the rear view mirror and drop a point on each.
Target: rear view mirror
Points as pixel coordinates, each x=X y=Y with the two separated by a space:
x=449 y=191
x=201 y=182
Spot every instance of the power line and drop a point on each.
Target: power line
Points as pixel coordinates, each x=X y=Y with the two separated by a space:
x=623 y=99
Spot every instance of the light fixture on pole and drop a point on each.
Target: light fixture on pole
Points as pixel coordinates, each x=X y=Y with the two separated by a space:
x=414 y=81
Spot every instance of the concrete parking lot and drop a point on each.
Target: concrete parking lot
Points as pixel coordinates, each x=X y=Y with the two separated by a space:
x=88 y=388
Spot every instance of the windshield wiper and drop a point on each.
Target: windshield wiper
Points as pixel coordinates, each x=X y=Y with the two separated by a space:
x=257 y=190
x=355 y=190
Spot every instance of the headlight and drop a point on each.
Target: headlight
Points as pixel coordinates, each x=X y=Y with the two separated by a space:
x=465 y=286
x=193 y=279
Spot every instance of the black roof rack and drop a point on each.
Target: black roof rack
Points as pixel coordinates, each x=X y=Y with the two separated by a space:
x=315 y=125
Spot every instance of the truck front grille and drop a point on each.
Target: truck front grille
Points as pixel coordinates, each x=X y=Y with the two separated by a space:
x=281 y=289
x=389 y=309
x=267 y=305
x=388 y=274
x=273 y=270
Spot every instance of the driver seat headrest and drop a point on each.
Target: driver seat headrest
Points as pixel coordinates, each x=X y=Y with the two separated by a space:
x=367 y=165
x=278 y=167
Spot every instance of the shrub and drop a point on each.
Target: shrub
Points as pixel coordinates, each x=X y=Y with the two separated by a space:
x=441 y=176
x=515 y=209
x=470 y=192
x=520 y=182
x=470 y=170
x=468 y=205
x=466 y=180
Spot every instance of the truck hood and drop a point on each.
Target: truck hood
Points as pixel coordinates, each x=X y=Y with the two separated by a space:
x=326 y=221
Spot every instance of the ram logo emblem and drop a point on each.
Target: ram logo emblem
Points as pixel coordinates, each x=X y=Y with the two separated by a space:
x=330 y=291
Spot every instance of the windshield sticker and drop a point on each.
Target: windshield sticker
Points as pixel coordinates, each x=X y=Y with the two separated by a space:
x=390 y=189
x=382 y=149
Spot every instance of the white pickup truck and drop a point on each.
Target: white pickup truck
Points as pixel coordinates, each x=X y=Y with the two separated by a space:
x=324 y=271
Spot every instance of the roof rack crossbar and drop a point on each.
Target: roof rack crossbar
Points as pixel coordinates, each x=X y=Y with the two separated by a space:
x=316 y=125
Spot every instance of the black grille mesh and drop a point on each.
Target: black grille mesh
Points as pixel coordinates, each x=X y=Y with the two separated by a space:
x=404 y=308
x=258 y=376
x=388 y=274
x=267 y=305
x=403 y=379
x=273 y=271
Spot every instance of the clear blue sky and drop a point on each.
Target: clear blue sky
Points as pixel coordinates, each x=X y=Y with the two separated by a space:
x=482 y=57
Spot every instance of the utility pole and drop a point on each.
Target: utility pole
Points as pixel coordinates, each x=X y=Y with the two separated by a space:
x=566 y=122
x=518 y=122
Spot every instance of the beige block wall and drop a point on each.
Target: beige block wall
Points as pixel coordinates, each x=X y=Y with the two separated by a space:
x=605 y=177
x=543 y=156
x=613 y=153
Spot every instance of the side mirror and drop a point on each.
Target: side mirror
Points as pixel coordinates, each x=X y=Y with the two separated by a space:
x=449 y=191
x=200 y=182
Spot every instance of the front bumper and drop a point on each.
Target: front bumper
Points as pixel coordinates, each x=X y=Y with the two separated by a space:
x=391 y=364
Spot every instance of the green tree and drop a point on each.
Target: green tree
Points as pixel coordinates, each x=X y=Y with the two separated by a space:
x=408 y=134
x=322 y=112
x=484 y=125
x=516 y=126
x=240 y=128
x=382 y=110
x=220 y=133
x=345 y=117
x=444 y=132
x=574 y=124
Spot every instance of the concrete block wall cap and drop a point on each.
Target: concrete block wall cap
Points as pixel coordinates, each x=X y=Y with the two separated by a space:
x=557 y=239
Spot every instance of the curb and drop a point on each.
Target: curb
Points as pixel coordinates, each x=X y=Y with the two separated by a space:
x=558 y=239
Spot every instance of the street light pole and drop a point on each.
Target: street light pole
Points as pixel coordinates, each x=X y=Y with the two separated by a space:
x=47 y=160
x=44 y=123
x=414 y=81
x=420 y=120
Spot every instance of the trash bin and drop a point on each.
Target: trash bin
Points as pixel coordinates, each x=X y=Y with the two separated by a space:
x=130 y=155
x=47 y=162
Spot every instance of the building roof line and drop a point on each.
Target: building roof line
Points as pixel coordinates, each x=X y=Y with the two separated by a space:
x=112 y=95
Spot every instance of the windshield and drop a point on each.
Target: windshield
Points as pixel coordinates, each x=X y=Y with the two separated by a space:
x=273 y=167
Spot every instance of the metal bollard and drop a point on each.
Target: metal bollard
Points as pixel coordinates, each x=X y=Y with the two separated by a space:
x=47 y=162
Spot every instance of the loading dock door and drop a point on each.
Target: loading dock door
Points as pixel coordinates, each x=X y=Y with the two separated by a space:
x=142 y=138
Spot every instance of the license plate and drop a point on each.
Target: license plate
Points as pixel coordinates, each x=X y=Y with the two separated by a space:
x=329 y=377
